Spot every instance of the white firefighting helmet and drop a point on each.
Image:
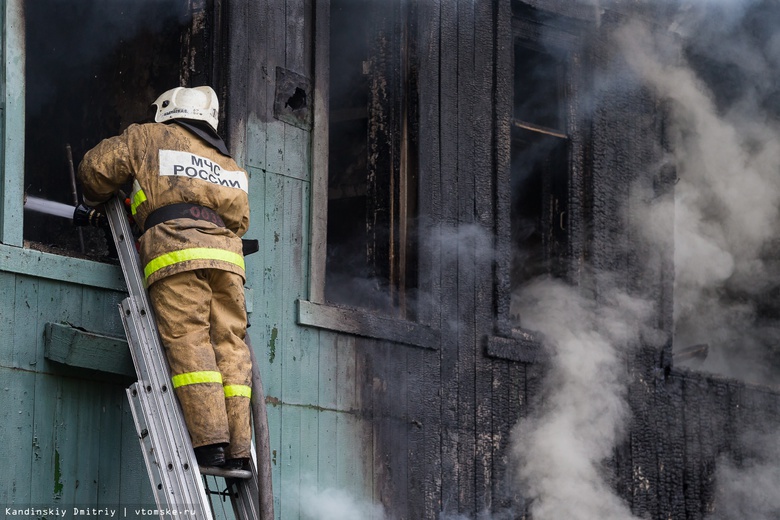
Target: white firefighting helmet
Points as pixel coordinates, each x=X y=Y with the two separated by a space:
x=198 y=103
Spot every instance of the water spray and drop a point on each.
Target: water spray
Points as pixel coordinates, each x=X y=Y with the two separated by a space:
x=49 y=207
x=81 y=215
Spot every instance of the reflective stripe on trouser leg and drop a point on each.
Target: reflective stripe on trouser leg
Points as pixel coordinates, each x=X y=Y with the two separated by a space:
x=182 y=306
x=228 y=330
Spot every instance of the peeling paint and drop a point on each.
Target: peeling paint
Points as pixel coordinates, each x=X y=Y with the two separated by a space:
x=57 y=475
x=272 y=345
x=36 y=448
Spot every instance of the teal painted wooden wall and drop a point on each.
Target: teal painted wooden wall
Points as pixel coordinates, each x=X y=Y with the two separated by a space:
x=68 y=437
x=320 y=440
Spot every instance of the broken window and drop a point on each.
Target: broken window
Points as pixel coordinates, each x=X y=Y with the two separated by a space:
x=371 y=176
x=93 y=67
x=539 y=171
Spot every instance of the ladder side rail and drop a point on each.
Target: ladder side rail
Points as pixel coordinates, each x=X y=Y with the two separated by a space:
x=159 y=383
x=245 y=493
x=137 y=315
x=152 y=360
x=170 y=448
x=147 y=441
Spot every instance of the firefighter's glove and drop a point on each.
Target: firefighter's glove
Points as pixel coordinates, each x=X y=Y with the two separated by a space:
x=85 y=215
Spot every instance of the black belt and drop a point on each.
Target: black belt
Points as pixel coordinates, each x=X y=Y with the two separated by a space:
x=197 y=212
x=182 y=210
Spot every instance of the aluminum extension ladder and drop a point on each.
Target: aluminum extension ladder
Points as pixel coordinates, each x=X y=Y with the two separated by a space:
x=174 y=473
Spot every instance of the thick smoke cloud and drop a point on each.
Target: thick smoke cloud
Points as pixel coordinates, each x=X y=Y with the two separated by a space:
x=582 y=411
x=713 y=67
x=727 y=153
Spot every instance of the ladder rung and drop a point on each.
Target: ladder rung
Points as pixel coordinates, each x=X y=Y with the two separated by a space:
x=226 y=473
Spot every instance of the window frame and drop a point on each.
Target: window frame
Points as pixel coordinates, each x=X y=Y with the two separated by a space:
x=13 y=123
x=508 y=341
x=316 y=311
x=15 y=257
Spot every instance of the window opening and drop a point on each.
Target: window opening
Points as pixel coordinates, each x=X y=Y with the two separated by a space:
x=372 y=189
x=539 y=168
x=92 y=68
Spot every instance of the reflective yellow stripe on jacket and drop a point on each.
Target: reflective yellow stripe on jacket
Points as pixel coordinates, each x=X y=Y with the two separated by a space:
x=238 y=391
x=136 y=198
x=193 y=378
x=195 y=253
x=209 y=376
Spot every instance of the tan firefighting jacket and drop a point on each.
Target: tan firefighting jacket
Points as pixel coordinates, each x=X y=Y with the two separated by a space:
x=167 y=164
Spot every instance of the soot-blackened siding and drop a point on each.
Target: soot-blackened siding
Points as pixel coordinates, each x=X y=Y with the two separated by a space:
x=442 y=419
x=438 y=416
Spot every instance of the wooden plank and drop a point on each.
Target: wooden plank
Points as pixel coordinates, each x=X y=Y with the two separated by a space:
x=259 y=40
x=239 y=66
x=290 y=457
x=85 y=415
x=78 y=348
x=484 y=189
x=330 y=361
x=297 y=153
x=294 y=376
x=61 y=268
x=135 y=488
x=17 y=401
x=275 y=41
x=274 y=411
x=270 y=310
x=367 y=324
x=430 y=176
x=452 y=477
x=46 y=484
x=502 y=167
x=416 y=390
x=109 y=444
x=100 y=312
x=390 y=426
x=295 y=37
x=10 y=355
x=327 y=457
x=319 y=154
x=13 y=124
x=467 y=139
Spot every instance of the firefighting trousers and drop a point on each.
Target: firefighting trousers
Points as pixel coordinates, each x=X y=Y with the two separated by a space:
x=201 y=316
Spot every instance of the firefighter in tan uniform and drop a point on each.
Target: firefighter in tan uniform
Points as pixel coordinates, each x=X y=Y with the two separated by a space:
x=190 y=199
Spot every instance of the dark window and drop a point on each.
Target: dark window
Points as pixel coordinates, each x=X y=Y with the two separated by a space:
x=372 y=187
x=539 y=166
x=93 y=67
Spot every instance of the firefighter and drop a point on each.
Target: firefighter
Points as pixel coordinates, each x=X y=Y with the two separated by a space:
x=190 y=198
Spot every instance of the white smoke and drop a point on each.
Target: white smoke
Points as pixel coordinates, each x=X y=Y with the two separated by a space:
x=582 y=410
x=726 y=206
x=750 y=489
x=336 y=504
x=725 y=216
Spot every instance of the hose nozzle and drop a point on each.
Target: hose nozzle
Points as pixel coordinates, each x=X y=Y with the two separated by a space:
x=85 y=215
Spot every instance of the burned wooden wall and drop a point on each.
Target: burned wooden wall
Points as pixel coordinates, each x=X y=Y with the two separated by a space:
x=436 y=421
x=414 y=410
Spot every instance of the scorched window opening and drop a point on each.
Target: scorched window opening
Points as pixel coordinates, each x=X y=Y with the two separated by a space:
x=93 y=67
x=372 y=189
